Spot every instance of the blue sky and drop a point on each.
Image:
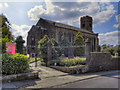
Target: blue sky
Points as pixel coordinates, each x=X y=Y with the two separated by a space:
x=22 y=15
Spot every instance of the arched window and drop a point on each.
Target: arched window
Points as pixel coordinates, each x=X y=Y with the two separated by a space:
x=59 y=37
x=32 y=40
x=73 y=38
x=69 y=37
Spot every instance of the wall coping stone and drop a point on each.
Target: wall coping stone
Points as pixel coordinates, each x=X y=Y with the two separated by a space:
x=21 y=76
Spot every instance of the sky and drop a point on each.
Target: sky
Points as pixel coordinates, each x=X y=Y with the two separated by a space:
x=22 y=15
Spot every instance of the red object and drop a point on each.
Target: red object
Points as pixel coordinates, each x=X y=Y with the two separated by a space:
x=10 y=48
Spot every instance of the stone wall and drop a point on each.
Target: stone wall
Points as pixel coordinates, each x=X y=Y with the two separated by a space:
x=102 y=61
x=70 y=70
x=99 y=61
x=21 y=76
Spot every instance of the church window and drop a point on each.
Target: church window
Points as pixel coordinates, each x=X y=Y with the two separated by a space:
x=73 y=38
x=69 y=37
x=33 y=41
x=90 y=25
x=59 y=37
x=83 y=25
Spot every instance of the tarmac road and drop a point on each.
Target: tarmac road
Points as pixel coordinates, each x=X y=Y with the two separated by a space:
x=109 y=81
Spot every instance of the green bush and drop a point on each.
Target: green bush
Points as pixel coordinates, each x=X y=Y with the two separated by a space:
x=55 y=61
x=43 y=45
x=68 y=62
x=56 y=52
x=72 y=62
x=14 y=64
x=43 y=63
x=112 y=50
x=79 y=41
x=64 y=42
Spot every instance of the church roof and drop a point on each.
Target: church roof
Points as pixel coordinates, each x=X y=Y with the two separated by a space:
x=66 y=26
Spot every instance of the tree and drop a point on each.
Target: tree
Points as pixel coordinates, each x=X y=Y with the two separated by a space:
x=64 y=42
x=43 y=51
x=112 y=50
x=43 y=45
x=79 y=41
x=5 y=33
x=5 y=28
x=55 y=51
x=19 y=44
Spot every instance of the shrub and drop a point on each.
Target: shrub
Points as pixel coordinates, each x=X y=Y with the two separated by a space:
x=68 y=62
x=43 y=43
x=19 y=44
x=43 y=51
x=64 y=42
x=43 y=63
x=112 y=50
x=72 y=62
x=55 y=61
x=14 y=64
x=56 y=51
x=79 y=51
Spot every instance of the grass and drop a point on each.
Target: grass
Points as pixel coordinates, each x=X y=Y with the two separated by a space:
x=33 y=59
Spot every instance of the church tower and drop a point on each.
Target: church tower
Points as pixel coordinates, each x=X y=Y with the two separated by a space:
x=86 y=23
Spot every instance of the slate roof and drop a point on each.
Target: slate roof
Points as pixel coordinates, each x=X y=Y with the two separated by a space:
x=67 y=26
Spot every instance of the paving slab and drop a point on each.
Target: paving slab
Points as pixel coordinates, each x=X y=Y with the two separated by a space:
x=46 y=72
x=55 y=81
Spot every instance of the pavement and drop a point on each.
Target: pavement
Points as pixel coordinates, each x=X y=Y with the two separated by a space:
x=108 y=81
x=46 y=72
x=51 y=78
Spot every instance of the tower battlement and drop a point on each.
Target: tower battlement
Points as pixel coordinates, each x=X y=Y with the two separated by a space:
x=86 y=23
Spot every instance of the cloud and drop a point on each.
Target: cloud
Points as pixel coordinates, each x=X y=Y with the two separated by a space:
x=116 y=25
x=118 y=21
x=20 y=30
x=110 y=38
x=118 y=18
x=3 y=6
x=70 y=12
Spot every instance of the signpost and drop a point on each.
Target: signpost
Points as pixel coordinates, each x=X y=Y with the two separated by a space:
x=10 y=48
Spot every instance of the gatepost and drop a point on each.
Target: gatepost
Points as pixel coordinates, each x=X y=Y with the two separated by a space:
x=49 y=53
x=87 y=49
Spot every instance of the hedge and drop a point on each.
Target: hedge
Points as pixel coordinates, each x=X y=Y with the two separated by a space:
x=14 y=64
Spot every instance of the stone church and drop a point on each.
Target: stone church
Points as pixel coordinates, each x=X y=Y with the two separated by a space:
x=59 y=31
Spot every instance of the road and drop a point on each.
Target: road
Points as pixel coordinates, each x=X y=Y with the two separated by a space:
x=109 y=81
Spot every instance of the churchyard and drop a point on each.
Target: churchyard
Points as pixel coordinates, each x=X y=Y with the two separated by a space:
x=76 y=58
